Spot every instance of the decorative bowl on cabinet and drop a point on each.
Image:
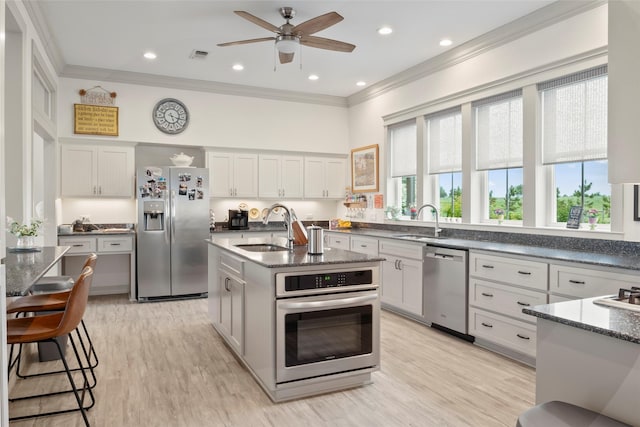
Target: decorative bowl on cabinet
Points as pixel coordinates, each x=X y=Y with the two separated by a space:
x=181 y=159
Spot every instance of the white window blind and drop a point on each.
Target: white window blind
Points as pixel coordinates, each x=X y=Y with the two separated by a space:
x=444 y=133
x=574 y=117
x=499 y=131
x=403 y=140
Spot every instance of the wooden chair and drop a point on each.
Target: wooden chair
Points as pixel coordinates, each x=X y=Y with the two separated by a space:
x=52 y=302
x=47 y=328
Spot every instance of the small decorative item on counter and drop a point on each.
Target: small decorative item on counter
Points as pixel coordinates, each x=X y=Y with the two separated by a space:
x=592 y=218
x=413 y=212
x=392 y=212
x=344 y=223
x=25 y=233
x=500 y=214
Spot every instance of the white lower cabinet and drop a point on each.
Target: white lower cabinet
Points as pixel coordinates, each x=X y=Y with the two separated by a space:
x=499 y=288
x=232 y=310
x=337 y=240
x=401 y=284
x=364 y=245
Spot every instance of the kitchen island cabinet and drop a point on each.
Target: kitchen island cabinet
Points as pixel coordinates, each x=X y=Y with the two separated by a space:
x=256 y=310
x=588 y=356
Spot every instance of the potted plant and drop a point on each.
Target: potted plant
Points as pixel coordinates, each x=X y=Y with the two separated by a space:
x=500 y=214
x=592 y=217
x=25 y=233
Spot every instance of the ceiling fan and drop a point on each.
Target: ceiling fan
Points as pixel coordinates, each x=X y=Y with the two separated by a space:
x=289 y=36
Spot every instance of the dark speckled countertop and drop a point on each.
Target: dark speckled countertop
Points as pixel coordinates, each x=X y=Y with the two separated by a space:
x=25 y=268
x=296 y=258
x=585 y=314
x=627 y=261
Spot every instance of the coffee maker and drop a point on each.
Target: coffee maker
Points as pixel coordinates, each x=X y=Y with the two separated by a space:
x=238 y=219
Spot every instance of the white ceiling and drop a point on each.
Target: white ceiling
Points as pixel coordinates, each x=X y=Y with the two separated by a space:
x=113 y=35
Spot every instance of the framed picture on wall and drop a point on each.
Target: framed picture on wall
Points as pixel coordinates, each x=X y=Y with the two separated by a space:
x=364 y=169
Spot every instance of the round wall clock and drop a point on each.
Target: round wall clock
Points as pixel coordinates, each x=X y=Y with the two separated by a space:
x=170 y=116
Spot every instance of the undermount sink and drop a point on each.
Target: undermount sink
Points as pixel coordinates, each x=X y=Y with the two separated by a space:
x=418 y=236
x=262 y=247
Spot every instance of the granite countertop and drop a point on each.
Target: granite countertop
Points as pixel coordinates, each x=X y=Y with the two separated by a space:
x=585 y=314
x=23 y=269
x=602 y=259
x=296 y=258
x=98 y=232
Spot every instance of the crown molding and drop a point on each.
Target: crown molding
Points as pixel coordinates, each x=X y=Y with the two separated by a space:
x=36 y=16
x=534 y=21
x=90 y=73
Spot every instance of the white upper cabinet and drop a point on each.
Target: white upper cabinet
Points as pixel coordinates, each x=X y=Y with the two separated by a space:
x=97 y=171
x=324 y=178
x=280 y=177
x=233 y=174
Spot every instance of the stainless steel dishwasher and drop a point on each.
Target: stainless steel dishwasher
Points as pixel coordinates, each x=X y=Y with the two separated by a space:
x=445 y=289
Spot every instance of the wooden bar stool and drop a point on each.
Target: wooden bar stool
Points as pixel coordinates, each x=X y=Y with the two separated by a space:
x=562 y=414
x=53 y=302
x=47 y=328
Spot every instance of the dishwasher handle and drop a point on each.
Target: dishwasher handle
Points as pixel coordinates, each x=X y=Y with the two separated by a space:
x=444 y=254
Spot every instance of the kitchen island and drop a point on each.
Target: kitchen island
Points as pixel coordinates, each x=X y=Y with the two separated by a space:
x=302 y=324
x=589 y=355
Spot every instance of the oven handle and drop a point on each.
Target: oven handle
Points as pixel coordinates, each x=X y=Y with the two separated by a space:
x=328 y=304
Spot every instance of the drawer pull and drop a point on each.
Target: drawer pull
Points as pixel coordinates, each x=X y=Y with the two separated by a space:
x=487 y=266
x=363 y=246
x=485 y=294
x=114 y=244
x=78 y=245
x=488 y=325
x=524 y=304
x=577 y=282
x=526 y=273
x=522 y=337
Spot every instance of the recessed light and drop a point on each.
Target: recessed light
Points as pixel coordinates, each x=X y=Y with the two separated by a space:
x=238 y=67
x=313 y=77
x=361 y=83
x=445 y=42
x=150 y=55
x=385 y=30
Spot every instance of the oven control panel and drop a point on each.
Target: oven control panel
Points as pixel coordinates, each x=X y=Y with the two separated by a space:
x=327 y=280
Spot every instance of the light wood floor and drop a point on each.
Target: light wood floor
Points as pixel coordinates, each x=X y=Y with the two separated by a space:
x=162 y=364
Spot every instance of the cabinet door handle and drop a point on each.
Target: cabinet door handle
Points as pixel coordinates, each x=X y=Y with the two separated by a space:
x=487 y=294
x=399 y=264
x=283 y=192
x=231 y=191
x=115 y=244
x=576 y=282
x=94 y=190
x=77 y=245
x=488 y=325
x=226 y=284
x=100 y=189
x=526 y=273
x=522 y=337
x=487 y=266
x=524 y=304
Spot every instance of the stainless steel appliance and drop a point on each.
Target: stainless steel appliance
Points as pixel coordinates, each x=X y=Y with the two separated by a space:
x=173 y=224
x=327 y=323
x=445 y=288
x=238 y=219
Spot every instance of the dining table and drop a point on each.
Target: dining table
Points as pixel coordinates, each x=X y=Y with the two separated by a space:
x=24 y=268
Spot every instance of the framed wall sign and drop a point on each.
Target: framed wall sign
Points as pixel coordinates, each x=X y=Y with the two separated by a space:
x=575 y=216
x=364 y=169
x=95 y=120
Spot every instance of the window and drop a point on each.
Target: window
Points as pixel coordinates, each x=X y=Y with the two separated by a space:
x=574 y=142
x=498 y=135
x=444 y=142
x=402 y=185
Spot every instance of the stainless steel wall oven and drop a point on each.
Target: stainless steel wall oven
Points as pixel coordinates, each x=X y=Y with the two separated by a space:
x=327 y=322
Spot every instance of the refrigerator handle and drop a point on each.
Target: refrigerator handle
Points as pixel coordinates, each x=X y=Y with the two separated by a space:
x=173 y=216
x=166 y=217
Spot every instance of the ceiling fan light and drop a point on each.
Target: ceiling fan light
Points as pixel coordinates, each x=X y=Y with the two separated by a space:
x=287 y=44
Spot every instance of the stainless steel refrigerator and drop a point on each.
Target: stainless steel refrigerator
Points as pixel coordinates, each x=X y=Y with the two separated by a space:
x=173 y=224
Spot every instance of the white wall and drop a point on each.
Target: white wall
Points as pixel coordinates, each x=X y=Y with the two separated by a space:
x=216 y=120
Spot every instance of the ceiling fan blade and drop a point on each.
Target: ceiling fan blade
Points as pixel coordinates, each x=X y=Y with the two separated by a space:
x=328 y=44
x=285 y=57
x=261 y=22
x=318 y=23
x=263 y=39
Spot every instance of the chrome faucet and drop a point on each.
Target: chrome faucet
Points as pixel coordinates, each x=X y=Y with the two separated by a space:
x=288 y=218
x=437 y=230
